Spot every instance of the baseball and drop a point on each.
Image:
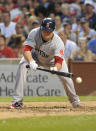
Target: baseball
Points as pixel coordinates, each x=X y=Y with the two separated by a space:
x=79 y=80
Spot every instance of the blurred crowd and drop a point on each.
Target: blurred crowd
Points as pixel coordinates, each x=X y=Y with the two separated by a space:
x=75 y=24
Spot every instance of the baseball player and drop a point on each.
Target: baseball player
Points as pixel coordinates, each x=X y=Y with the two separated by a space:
x=43 y=48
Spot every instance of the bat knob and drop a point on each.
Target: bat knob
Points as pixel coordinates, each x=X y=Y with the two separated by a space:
x=27 y=66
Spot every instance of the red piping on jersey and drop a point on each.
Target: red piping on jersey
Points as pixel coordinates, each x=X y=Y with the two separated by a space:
x=58 y=60
x=27 y=48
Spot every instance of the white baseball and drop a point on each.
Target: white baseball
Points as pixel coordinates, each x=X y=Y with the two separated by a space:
x=79 y=80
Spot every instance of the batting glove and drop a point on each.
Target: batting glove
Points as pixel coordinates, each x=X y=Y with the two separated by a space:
x=33 y=65
x=53 y=68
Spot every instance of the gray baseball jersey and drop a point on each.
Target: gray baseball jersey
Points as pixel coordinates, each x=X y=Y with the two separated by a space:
x=44 y=52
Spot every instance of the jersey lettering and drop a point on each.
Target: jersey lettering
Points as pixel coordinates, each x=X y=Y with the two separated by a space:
x=42 y=53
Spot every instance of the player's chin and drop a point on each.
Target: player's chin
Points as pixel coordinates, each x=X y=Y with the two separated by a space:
x=47 y=39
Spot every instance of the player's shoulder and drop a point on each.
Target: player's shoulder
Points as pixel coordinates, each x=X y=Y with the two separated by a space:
x=58 y=41
x=36 y=30
x=57 y=37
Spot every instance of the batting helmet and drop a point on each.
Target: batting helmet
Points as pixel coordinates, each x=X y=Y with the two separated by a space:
x=48 y=24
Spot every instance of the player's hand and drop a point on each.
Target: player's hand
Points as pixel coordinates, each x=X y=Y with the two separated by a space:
x=53 y=68
x=33 y=65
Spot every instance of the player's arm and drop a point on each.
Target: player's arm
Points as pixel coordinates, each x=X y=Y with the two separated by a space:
x=58 y=62
x=58 y=55
x=27 y=55
x=29 y=44
x=58 y=66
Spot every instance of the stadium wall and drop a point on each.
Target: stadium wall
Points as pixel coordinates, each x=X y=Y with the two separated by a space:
x=87 y=71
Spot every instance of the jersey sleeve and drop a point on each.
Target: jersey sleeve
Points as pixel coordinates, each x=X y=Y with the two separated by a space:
x=30 y=41
x=59 y=48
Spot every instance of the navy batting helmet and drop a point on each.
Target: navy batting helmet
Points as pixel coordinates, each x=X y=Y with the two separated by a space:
x=48 y=24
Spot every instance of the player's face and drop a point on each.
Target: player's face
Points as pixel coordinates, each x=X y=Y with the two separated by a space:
x=46 y=35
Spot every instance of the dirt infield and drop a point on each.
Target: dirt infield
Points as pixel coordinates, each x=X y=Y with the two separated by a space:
x=37 y=109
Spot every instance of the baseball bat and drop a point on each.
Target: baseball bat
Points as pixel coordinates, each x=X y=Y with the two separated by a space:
x=65 y=74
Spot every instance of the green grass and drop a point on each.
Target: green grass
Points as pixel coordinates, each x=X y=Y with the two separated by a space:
x=50 y=123
x=48 y=99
